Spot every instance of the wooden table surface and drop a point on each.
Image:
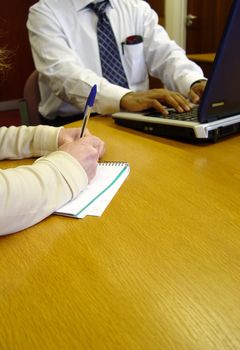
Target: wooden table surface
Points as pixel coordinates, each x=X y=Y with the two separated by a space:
x=160 y=269
x=202 y=57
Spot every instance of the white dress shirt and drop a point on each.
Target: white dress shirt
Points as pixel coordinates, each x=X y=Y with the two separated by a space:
x=65 y=51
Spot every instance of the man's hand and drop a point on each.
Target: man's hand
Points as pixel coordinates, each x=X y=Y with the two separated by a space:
x=196 y=91
x=157 y=99
x=87 y=151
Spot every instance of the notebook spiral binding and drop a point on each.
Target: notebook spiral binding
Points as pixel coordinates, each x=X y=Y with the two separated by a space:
x=111 y=163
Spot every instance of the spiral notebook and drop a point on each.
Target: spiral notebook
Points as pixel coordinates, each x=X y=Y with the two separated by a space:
x=94 y=199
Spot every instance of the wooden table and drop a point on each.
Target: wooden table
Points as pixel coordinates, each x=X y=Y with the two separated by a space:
x=204 y=60
x=159 y=270
x=202 y=57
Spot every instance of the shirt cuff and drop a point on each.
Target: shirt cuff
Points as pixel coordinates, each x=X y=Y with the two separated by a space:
x=109 y=97
x=184 y=84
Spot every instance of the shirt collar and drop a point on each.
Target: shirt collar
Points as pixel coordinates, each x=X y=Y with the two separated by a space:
x=81 y=4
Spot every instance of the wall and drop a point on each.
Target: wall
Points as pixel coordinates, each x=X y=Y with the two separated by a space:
x=159 y=7
x=175 y=19
x=13 y=17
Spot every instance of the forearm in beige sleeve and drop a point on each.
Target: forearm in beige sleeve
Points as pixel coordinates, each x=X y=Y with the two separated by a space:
x=27 y=141
x=31 y=193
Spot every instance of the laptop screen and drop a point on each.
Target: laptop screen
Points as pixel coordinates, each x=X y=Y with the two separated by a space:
x=222 y=95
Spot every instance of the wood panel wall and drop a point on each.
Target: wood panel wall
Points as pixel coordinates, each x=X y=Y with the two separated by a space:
x=206 y=30
x=14 y=36
x=159 y=7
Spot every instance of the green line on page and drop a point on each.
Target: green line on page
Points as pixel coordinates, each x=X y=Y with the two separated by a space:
x=103 y=191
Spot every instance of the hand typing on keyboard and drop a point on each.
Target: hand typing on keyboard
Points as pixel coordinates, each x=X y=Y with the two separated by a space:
x=156 y=99
x=196 y=90
x=172 y=114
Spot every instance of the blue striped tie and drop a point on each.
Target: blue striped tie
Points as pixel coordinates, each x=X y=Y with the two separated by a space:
x=112 y=68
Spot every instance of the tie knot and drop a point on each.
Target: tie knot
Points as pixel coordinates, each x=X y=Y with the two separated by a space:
x=99 y=7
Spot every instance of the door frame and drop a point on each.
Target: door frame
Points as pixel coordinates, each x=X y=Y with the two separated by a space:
x=175 y=20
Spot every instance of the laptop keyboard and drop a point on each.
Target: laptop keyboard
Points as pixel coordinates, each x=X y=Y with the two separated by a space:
x=192 y=115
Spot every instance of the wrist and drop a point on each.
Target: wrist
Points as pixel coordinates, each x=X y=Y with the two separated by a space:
x=124 y=100
x=197 y=82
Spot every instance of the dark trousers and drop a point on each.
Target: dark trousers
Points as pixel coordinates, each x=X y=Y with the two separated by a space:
x=59 y=121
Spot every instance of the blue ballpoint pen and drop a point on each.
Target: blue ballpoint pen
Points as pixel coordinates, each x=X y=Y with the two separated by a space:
x=88 y=108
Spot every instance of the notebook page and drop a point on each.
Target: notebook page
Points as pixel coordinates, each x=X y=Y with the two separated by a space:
x=99 y=192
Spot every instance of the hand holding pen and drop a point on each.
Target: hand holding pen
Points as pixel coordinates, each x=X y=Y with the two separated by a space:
x=88 y=149
x=73 y=134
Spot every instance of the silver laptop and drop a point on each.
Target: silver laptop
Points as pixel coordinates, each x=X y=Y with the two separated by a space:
x=218 y=114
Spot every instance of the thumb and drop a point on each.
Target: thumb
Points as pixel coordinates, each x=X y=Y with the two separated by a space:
x=193 y=96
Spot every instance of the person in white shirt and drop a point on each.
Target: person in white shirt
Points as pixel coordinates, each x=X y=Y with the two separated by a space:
x=65 y=50
x=31 y=193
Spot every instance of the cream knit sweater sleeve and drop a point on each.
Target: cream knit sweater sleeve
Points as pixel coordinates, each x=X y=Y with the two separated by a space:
x=28 y=194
